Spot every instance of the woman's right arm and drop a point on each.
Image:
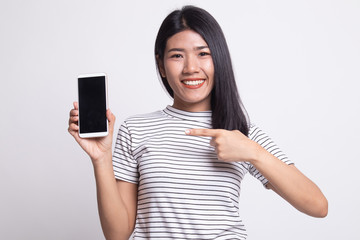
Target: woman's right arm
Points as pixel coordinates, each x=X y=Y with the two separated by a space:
x=117 y=200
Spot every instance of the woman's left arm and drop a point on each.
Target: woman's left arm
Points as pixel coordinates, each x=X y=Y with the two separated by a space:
x=291 y=184
x=286 y=180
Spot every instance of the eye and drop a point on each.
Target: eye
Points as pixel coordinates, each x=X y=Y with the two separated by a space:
x=202 y=54
x=176 y=56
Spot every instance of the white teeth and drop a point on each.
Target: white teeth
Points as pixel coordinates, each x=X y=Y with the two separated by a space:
x=193 y=83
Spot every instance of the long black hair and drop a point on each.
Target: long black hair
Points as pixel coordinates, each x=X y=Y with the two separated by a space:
x=227 y=109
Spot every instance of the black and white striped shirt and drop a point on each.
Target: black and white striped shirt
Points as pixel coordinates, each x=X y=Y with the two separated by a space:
x=184 y=191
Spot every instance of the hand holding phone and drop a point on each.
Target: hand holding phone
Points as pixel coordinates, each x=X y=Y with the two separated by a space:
x=92 y=92
x=99 y=147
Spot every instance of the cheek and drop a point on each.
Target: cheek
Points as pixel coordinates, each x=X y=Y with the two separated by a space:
x=209 y=69
x=171 y=75
x=210 y=73
x=172 y=70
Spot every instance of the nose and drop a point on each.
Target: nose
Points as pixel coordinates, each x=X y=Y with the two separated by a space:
x=191 y=65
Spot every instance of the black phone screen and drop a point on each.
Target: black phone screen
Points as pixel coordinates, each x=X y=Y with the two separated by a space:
x=92 y=104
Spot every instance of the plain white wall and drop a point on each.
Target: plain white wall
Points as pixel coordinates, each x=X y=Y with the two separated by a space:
x=297 y=67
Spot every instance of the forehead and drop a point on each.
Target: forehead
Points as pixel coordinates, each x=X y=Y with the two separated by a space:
x=187 y=39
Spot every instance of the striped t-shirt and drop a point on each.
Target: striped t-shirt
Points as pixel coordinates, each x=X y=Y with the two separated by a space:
x=184 y=191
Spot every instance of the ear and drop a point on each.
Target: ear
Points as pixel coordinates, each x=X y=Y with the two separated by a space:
x=161 y=66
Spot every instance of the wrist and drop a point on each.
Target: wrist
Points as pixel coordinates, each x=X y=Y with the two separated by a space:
x=103 y=169
x=104 y=160
x=259 y=154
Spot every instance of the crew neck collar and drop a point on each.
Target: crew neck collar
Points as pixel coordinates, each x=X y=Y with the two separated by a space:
x=203 y=116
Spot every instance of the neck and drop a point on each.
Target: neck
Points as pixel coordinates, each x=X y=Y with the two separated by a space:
x=192 y=107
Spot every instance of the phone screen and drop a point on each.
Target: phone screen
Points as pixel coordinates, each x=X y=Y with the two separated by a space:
x=92 y=104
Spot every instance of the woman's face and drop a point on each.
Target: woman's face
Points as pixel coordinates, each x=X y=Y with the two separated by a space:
x=189 y=70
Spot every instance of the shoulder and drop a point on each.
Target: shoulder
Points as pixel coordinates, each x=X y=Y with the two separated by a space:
x=137 y=122
x=144 y=119
x=145 y=116
x=255 y=132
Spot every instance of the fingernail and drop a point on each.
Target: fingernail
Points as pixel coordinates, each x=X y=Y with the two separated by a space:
x=187 y=131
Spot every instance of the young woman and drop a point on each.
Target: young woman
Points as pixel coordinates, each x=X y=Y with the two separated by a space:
x=176 y=173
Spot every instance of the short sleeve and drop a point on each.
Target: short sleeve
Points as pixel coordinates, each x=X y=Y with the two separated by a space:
x=259 y=136
x=124 y=164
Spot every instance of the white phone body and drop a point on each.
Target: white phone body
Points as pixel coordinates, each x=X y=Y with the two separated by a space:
x=93 y=103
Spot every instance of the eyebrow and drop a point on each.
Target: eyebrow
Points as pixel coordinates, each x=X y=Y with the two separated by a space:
x=183 y=50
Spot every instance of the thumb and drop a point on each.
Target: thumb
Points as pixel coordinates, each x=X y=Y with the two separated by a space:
x=111 y=118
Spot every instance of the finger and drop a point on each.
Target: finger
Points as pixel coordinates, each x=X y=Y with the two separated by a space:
x=76 y=105
x=73 y=127
x=73 y=119
x=74 y=112
x=75 y=133
x=111 y=118
x=203 y=132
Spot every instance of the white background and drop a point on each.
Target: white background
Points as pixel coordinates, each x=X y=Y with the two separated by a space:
x=297 y=67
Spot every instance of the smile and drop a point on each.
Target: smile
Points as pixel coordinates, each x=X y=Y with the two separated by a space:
x=193 y=83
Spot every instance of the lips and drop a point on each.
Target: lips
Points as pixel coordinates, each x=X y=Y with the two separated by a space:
x=193 y=83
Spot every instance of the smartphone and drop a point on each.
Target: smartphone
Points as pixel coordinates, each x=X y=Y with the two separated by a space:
x=92 y=99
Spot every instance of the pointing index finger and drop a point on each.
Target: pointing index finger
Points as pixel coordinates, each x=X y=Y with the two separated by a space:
x=202 y=132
